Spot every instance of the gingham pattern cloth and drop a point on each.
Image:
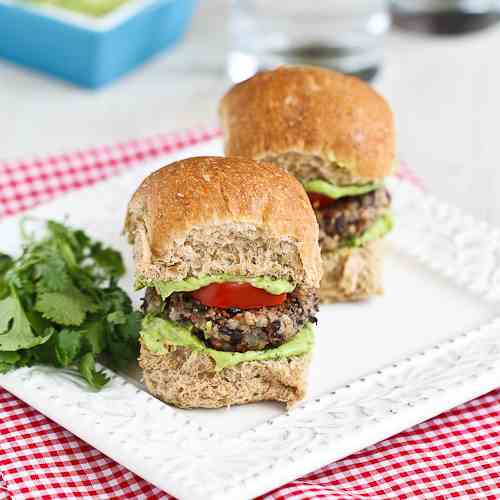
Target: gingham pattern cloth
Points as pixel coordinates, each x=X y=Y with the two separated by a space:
x=455 y=455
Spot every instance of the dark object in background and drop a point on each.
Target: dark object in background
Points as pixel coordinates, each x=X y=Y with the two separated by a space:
x=445 y=17
x=321 y=55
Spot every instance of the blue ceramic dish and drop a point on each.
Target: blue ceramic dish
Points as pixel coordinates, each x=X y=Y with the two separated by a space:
x=91 y=52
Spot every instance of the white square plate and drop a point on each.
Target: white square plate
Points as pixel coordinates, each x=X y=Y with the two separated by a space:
x=431 y=343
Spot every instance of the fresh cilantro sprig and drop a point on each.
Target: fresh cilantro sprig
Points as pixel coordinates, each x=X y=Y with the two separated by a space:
x=60 y=304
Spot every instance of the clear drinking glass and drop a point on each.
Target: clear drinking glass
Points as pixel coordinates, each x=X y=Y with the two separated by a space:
x=445 y=17
x=345 y=35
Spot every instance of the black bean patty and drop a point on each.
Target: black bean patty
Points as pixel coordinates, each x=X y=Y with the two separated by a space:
x=239 y=330
x=350 y=216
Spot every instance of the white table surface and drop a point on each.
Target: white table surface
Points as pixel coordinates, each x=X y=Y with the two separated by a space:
x=445 y=93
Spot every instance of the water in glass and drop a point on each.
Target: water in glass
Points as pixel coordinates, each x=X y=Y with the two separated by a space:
x=345 y=35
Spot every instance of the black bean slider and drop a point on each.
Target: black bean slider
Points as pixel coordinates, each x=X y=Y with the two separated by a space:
x=227 y=251
x=336 y=135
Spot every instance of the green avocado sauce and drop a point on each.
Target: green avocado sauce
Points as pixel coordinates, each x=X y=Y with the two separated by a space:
x=383 y=225
x=157 y=334
x=327 y=189
x=167 y=288
x=94 y=8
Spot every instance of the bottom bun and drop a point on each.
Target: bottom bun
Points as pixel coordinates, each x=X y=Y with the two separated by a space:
x=188 y=379
x=352 y=273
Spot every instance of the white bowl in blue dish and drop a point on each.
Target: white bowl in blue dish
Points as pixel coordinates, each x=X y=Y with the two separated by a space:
x=90 y=51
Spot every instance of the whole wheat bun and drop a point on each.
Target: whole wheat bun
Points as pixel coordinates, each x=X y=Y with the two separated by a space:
x=188 y=379
x=314 y=122
x=211 y=215
x=351 y=274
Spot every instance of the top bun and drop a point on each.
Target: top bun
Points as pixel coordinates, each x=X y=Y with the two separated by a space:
x=212 y=215
x=311 y=115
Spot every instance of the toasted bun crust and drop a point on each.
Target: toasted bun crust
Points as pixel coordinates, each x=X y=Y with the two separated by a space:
x=310 y=111
x=188 y=379
x=213 y=215
x=351 y=274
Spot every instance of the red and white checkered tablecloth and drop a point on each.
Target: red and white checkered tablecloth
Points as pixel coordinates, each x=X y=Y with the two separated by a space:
x=455 y=455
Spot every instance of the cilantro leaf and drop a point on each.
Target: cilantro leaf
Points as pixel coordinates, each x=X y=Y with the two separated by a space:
x=122 y=343
x=53 y=274
x=131 y=328
x=118 y=300
x=8 y=361
x=15 y=329
x=67 y=308
x=108 y=259
x=94 y=336
x=117 y=317
x=5 y=264
x=38 y=323
x=44 y=353
x=60 y=304
x=96 y=379
x=68 y=345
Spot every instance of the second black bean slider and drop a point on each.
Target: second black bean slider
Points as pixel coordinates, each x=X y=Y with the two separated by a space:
x=227 y=252
x=336 y=135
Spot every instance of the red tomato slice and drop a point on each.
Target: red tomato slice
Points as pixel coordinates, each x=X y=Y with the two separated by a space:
x=320 y=200
x=240 y=295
